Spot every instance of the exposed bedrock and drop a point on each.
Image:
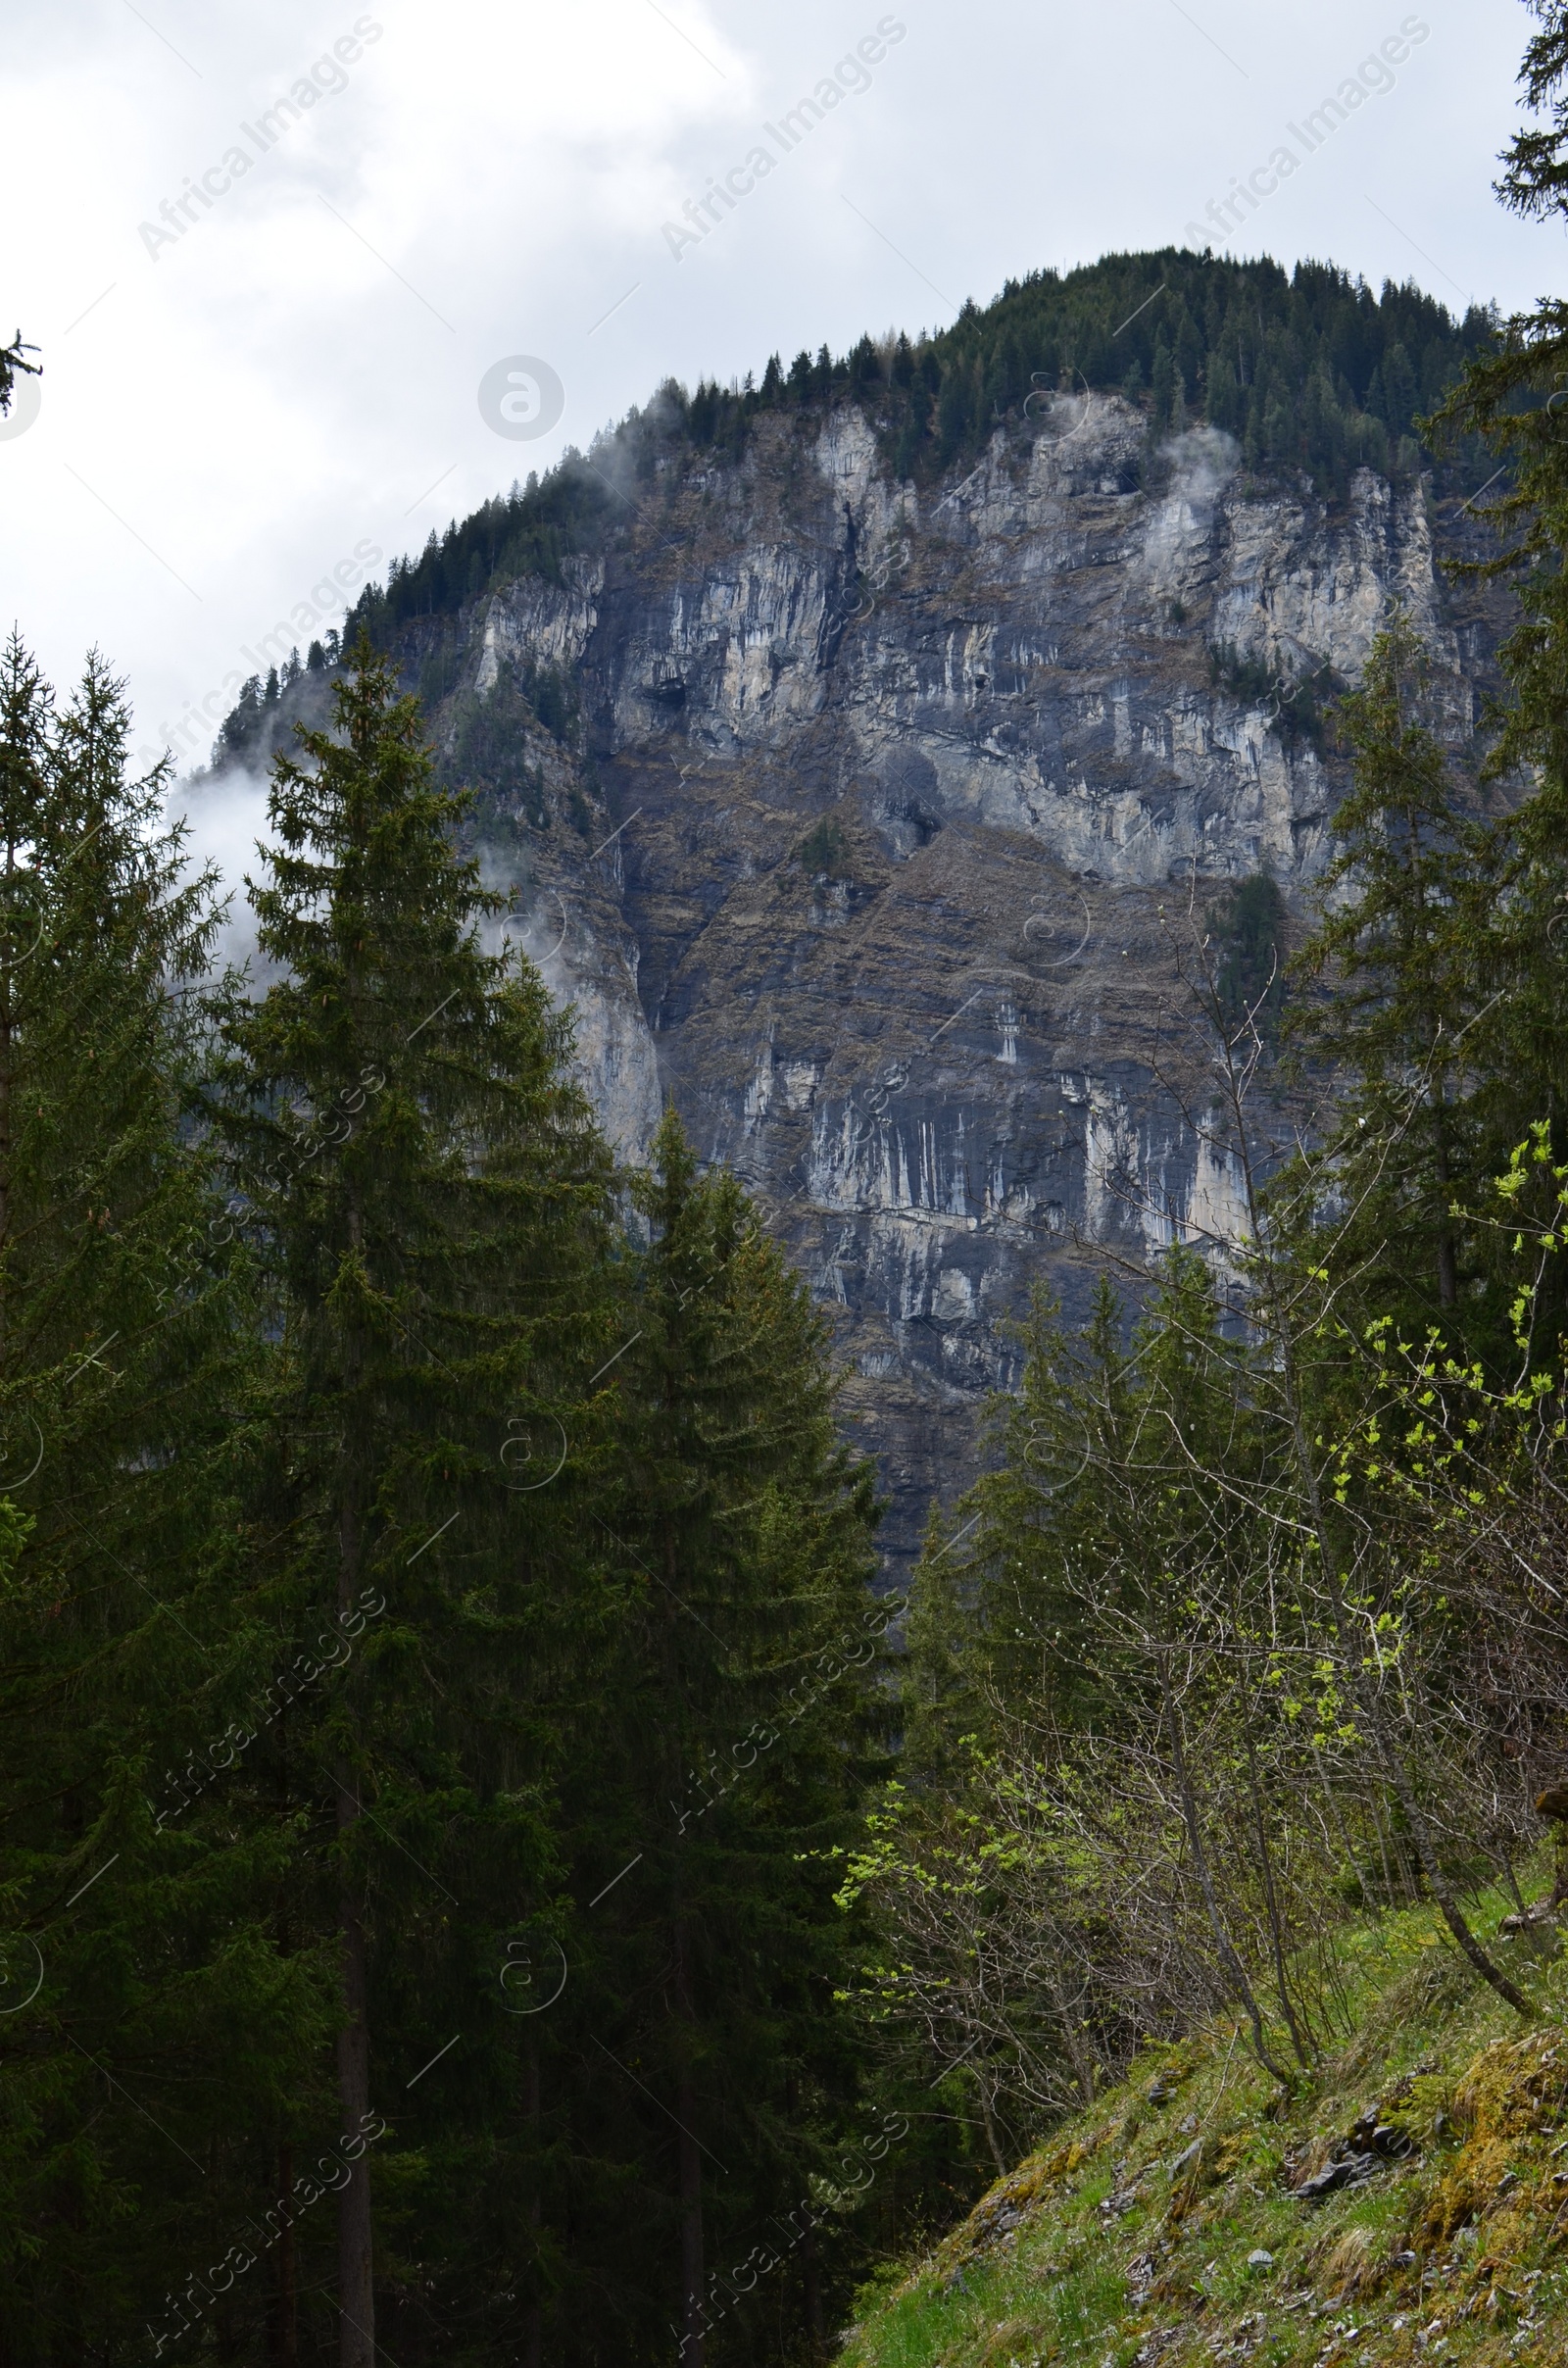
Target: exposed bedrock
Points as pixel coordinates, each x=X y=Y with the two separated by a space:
x=900 y=783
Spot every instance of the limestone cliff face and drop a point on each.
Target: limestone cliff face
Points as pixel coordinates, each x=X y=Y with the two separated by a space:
x=899 y=783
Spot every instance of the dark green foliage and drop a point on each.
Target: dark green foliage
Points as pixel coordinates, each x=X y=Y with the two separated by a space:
x=490 y=750
x=1296 y=706
x=430 y=1208
x=241 y=728
x=1536 y=182
x=1308 y=370
x=1003 y=1617
x=440 y=668
x=1248 y=933
x=1092 y=1512
x=428 y=1584
x=553 y=698
x=166 y=2022
x=1401 y=951
x=825 y=851
x=1511 y=400
x=531 y=531
x=741 y=1726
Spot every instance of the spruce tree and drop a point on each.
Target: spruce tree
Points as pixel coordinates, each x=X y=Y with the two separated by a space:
x=1509 y=400
x=741 y=1724
x=995 y=1615
x=428 y=1198
x=1404 y=907
x=143 y=2023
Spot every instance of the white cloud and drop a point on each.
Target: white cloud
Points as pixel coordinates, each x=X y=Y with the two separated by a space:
x=220 y=427
x=224 y=822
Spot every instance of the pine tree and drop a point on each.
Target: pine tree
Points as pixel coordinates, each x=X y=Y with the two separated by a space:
x=1249 y=932
x=1097 y=1494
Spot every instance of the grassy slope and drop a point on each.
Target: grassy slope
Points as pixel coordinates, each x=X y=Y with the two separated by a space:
x=1097 y=2249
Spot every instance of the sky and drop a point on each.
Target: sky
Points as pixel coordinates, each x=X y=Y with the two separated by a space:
x=310 y=280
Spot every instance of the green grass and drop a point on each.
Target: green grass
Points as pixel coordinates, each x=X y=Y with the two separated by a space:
x=1117 y=2258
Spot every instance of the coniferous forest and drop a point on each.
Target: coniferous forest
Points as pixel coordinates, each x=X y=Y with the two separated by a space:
x=1308 y=371
x=486 y=1877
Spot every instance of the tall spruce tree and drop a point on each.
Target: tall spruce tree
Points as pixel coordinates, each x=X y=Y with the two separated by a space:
x=1510 y=397
x=1398 y=951
x=996 y=1615
x=741 y=1722
x=143 y=2021
x=429 y=1201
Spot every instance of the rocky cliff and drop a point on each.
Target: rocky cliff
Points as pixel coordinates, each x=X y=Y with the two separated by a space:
x=845 y=813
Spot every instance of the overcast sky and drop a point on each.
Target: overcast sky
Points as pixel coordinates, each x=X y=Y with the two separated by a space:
x=244 y=397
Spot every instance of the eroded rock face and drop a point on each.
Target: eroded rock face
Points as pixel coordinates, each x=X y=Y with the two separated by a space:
x=910 y=796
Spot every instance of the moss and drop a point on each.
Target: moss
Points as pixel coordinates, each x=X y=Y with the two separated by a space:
x=1105 y=2247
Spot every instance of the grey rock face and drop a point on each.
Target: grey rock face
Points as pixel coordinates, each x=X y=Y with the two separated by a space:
x=900 y=785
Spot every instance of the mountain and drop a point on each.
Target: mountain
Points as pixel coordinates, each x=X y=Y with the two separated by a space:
x=853 y=745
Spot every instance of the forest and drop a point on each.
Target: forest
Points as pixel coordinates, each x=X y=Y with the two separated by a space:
x=487 y=1876
x=1307 y=369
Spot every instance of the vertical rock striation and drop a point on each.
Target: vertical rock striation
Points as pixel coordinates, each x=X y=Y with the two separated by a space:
x=857 y=842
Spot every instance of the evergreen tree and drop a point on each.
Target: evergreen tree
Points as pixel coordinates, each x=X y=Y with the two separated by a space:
x=429 y=1199
x=995 y=1617
x=137 y=1960
x=1097 y=1495
x=1401 y=951
x=739 y=1727
x=1248 y=930
x=1510 y=398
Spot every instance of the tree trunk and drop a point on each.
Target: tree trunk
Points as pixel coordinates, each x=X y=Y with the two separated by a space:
x=1452 y=1914
x=356 y=2291
x=989 y=2119
x=284 y=2316
x=533 y=2316
x=1217 y=1922
x=690 y=2165
x=356 y=2286
x=1270 y=1897
x=284 y=2345
x=811 y=2284
x=1447 y=1272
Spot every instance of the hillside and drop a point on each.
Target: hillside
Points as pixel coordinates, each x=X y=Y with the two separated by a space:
x=1407 y=2203
x=1308 y=370
x=841 y=778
